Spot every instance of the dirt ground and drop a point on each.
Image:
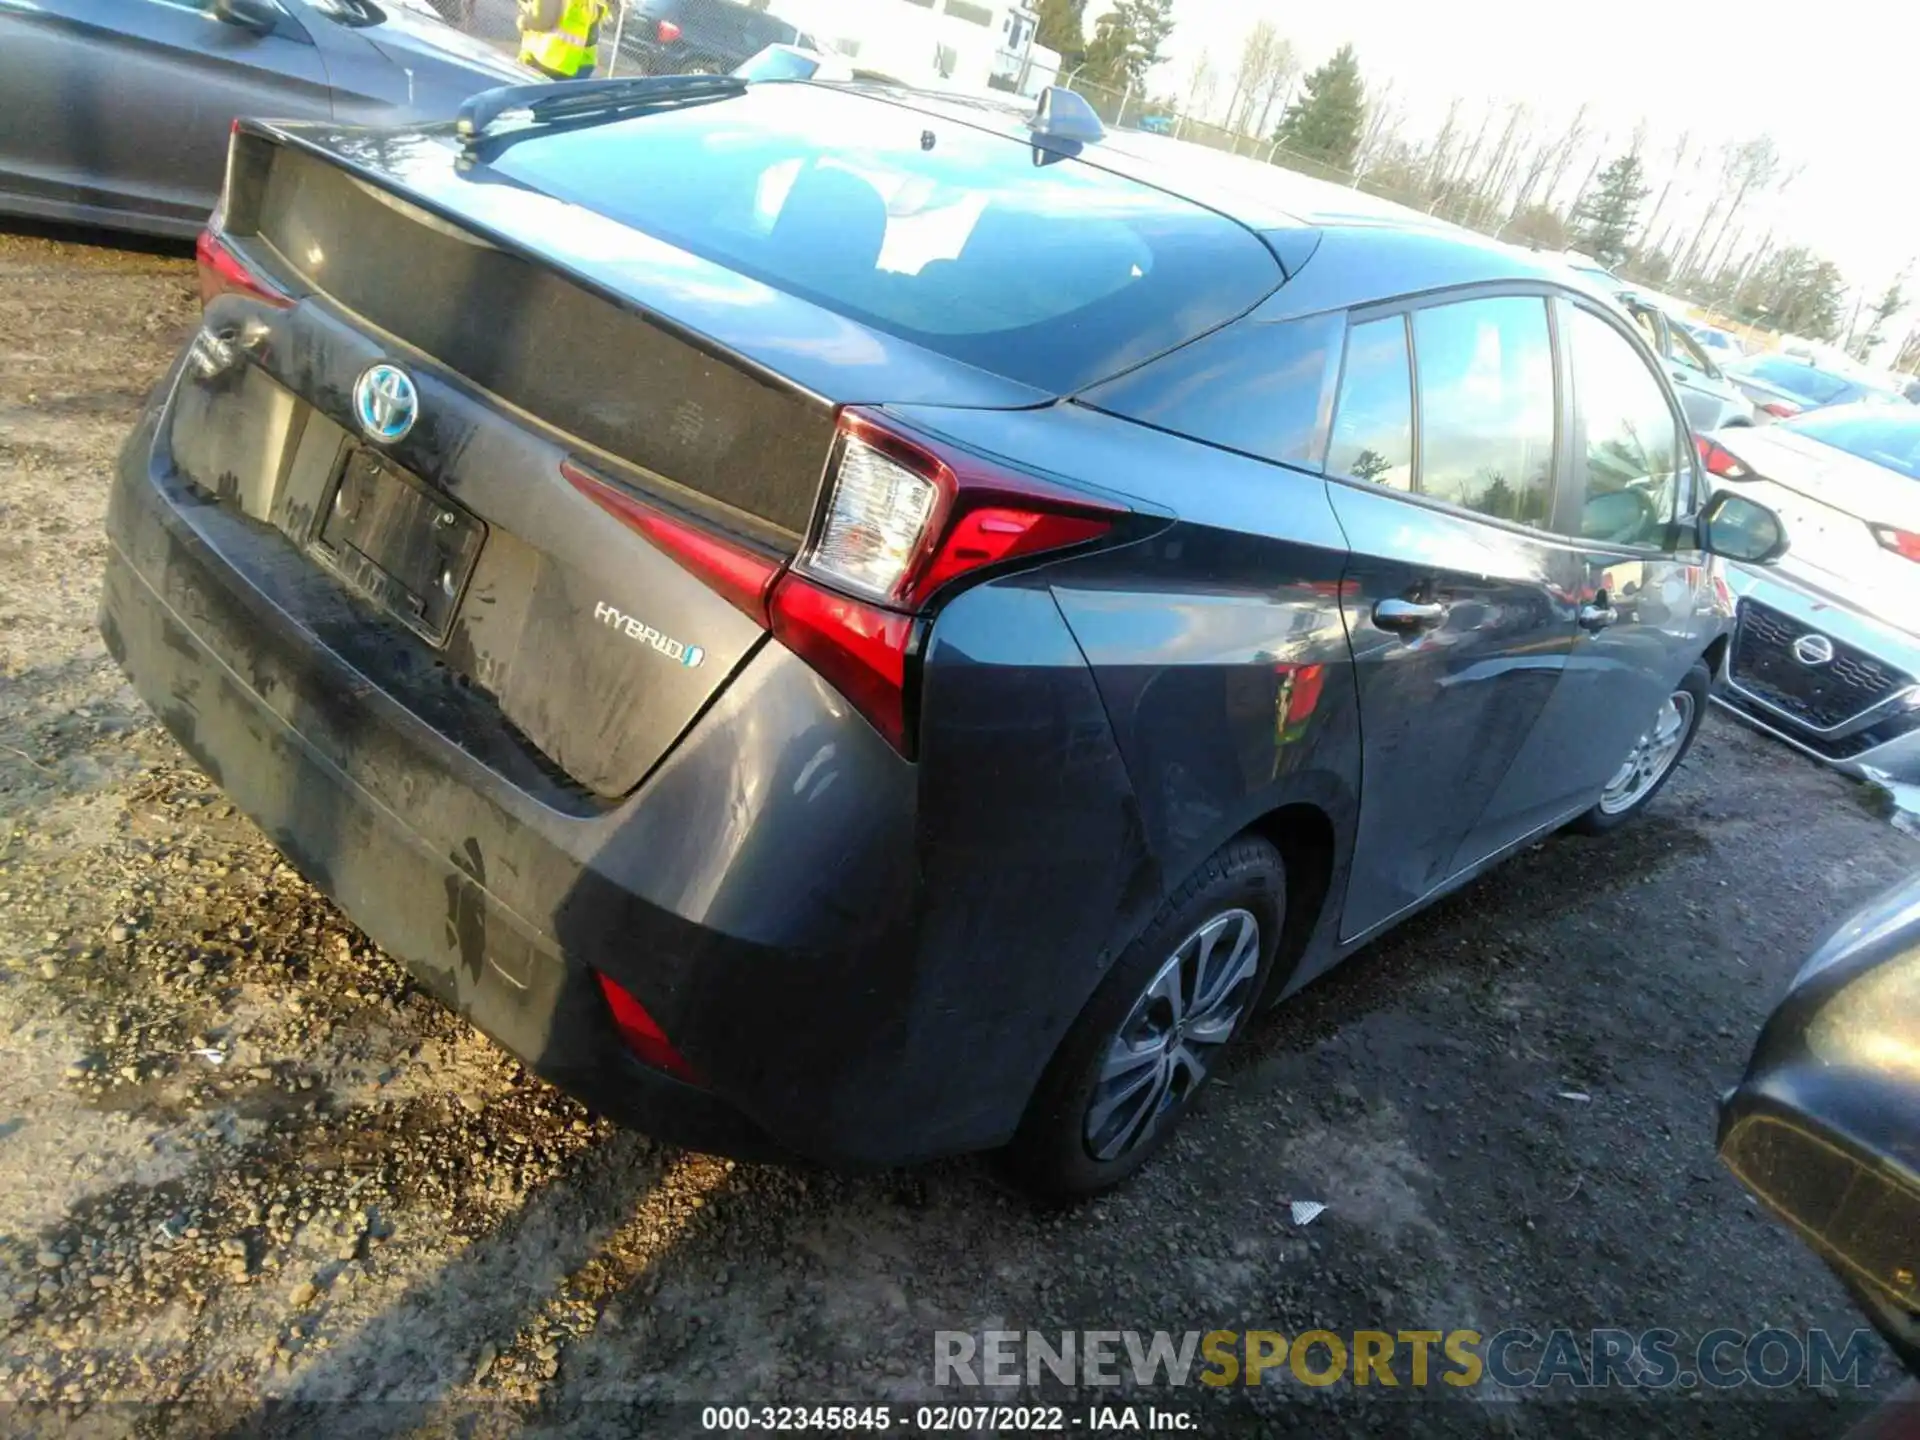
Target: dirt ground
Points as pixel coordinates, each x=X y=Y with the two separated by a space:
x=243 y=1161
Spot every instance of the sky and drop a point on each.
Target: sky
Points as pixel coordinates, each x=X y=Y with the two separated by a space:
x=1834 y=84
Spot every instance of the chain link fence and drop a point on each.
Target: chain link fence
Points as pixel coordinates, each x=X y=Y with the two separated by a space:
x=1134 y=110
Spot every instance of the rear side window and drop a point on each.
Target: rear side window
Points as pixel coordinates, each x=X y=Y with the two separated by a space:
x=1485 y=371
x=1056 y=274
x=1633 y=460
x=1373 y=424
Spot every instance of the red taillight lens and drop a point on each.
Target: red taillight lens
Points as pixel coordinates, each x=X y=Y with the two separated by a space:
x=667 y=31
x=740 y=575
x=224 y=273
x=1720 y=461
x=859 y=649
x=1901 y=542
x=642 y=1034
x=905 y=517
x=1782 y=409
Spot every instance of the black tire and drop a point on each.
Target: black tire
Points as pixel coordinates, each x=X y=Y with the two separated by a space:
x=1695 y=684
x=1051 y=1157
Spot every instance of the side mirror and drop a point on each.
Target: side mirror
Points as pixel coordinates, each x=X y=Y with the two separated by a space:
x=259 y=16
x=1736 y=528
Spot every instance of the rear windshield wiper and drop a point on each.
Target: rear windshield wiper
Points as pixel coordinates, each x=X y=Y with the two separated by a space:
x=570 y=99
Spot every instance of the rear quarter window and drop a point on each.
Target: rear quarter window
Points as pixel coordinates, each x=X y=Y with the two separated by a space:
x=1262 y=389
x=1042 y=269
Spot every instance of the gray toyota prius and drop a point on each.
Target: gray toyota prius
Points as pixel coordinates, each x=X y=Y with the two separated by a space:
x=854 y=625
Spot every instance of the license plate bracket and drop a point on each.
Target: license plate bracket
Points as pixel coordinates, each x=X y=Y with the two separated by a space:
x=394 y=539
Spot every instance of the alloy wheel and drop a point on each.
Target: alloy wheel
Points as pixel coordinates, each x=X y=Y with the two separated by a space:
x=1173 y=1033
x=1652 y=756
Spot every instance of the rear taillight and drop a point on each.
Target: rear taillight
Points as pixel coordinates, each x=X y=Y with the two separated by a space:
x=1720 y=461
x=667 y=31
x=642 y=1034
x=1901 y=542
x=1780 y=409
x=222 y=272
x=905 y=518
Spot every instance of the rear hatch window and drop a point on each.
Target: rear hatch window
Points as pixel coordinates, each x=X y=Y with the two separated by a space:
x=1044 y=270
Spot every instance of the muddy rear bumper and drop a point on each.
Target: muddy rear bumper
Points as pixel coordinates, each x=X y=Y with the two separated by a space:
x=548 y=1012
x=502 y=888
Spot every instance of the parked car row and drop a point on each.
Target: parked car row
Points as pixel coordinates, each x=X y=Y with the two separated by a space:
x=1824 y=652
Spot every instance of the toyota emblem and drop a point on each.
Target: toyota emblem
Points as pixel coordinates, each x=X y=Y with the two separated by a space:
x=1813 y=649
x=385 y=402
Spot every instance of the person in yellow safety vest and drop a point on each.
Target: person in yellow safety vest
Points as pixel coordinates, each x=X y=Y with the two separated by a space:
x=559 y=37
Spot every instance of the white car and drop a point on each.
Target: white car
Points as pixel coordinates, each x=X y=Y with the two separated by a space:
x=1826 y=649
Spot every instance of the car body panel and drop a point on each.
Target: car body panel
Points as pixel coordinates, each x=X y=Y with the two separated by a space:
x=1445 y=710
x=1824 y=1126
x=135 y=98
x=1818 y=388
x=1839 y=583
x=1878 y=729
x=810 y=883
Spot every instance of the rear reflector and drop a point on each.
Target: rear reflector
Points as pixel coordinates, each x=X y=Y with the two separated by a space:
x=737 y=573
x=1901 y=542
x=224 y=273
x=643 y=1035
x=1720 y=461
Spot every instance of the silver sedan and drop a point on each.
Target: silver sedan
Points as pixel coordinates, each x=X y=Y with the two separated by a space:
x=130 y=101
x=1826 y=650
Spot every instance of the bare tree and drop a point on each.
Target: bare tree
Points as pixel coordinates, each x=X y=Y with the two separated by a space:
x=1203 y=84
x=1282 y=68
x=1572 y=141
x=1383 y=129
x=1747 y=168
x=1262 y=54
x=1678 y=170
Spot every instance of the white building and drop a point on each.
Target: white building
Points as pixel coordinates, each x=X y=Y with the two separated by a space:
x=965 y=44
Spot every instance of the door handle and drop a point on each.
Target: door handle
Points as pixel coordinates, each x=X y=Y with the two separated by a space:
x=1598 y=616
x=1395 y=614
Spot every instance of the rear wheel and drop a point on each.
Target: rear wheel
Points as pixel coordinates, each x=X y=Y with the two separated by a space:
x=1155 y=1030
x=1655 y=755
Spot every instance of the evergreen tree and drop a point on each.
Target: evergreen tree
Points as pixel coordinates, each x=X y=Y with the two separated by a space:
x=1607 y=215
x=1126 y=43
x=1325 y=123
x=1062 y=28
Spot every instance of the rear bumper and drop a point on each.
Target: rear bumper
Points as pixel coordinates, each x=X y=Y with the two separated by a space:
x=743 y=921
x=410 y=901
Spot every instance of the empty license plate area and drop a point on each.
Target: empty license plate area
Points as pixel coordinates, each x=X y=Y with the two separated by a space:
x=398 y=542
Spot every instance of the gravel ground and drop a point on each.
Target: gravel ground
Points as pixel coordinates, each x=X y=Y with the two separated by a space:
x=243 y=1160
